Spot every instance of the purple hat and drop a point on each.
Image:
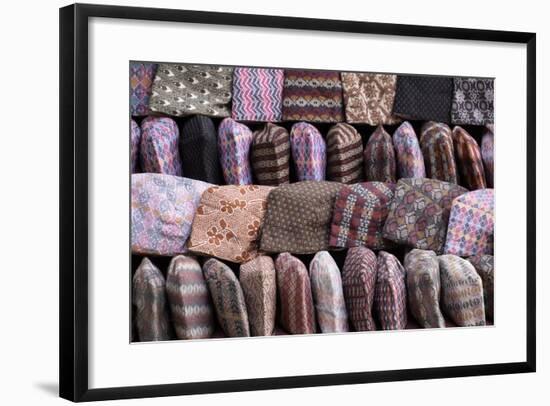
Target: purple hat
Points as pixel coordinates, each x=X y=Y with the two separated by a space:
x=308 y=152
x=135 y=139
x=141 y=81
x=159 y=146
x=410 y=162
x=234 y=140
x=487 y=152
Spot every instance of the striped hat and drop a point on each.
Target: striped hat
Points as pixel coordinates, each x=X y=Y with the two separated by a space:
x=187 y=292
x=484 y=266
x=270 y=155
x=234 y=140
x=159 y=146
x=390 y=293
x=469 y=162
x=487 y=155
x=437 y=147
x=379 y=157
x=344 y=154
x=410 y=162
x=308 y=152
x=135 y=139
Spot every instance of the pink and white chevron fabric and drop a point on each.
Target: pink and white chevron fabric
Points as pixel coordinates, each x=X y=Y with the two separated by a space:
x=308 y=152
x=390 y=293
x=135 y=139
x=257 y=94
x=410 y=162
x=234 y=141
x=159 y=146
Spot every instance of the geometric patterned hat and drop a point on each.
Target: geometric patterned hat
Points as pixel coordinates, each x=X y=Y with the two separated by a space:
x=270 y=155
x=390 y=294
x=308 y=152
x=484 y=265
x=135 y=139
x=437 y=147
x=234 y=140
x=159 y=146
x=379 y=157
x=344 y=154
x=141 y=80
x=410 y=162
x=469 y=162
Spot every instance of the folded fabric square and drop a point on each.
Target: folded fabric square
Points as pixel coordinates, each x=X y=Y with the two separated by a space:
x=270 y=155
x=308 y=152
x=227 y=222
x=159 y=146
x=436 y=141
x=424 y=288
x=149 y=299
x=462 y=291
x=259 y=284
x=198 y=146
x=297 y=314
x=484 y=266
x=487 y=152
x=141 y=81
x=328 y=294
x=312 y=96
x=344 y=154
x=359 y=215
x=162 y=210
x=390 y=292
x=298 y=217
x=471 y=224
x=135 y=140
x=234 y=140
x=189 y=298
x=181 y=89
x=369 y=98
x=468 y=157
x=419 y=213
x=424 y=97
x=410 y=162
x=227 y=297
x=379 y=157
x=257 y=94
x=473 y=101
x=359 y=280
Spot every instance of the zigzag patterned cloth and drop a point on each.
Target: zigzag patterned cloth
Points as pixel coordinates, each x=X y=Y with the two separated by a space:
x=390 y=292
x=484 y=266
x=308 y=152
x=234 y=140
x=135 y=140
x=437 y=148
x=257 y=94
x=468 y=157
x=344 y=149
x=270 y=155
x=410 y=162
x=141 y=81
x=159 y=146
x=487 y=152
x=379 y=157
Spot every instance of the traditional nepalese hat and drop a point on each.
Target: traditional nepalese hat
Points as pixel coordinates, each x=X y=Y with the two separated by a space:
x=198 y=148
x=298 y=217
x=473 y=101
x=359 y=215
x=379 y=157
x=436 y=142
x=162 y=210
x=227 y=297
x=328 y=294
x=270 y=155
x=344 y=154
x=297 y=314
x=410 y=162
x=259 y=284
x=257 y=94
x=469 y=162
x=149 y=299
x=189 y=298
x=484 y=266
x=308 y=152
x=487 y=155
x=390 y=293
x=135 y=139
x=369 y=98
x=314 y=96
x=159 y=146
x=424 y=288
x=141 y=81
x=359 y=280
x=419 y=213
x=234 y=140
x=471 y=224
x=462 y=291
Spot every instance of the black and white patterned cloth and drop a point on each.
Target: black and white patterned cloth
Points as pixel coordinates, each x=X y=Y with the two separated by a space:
x=473 y=101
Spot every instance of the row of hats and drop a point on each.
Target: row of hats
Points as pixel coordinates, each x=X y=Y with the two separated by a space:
x=172 y=215
x=264 y=156
x=265 y=94
x=370 y=292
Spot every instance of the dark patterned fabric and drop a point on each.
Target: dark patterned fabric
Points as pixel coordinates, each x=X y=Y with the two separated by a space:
x=473 y=101
x=159 y=146
x=379 y=157
x=469 y=162
x=487 y=155
x=141 y=80
x=410 y=162
x=485 y=267
x=390 y=293
x=436 y=142
x=135 y=140
x=344 y=154
x=270 y=155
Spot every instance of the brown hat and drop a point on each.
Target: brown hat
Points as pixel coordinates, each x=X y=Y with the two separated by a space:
x=344 y=154
x=270 y=155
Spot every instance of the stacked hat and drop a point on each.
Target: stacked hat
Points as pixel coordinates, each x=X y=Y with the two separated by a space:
x=484 y=266
x=473 y=101
x=379 y=157
x=270 y=155
x=390 y=294
x=487 y=155
x=141 y=81
x=135 y=139
x=410 y=162
x=344 y=154
x=437 y=148
x=468 y=155
x=159 y=146
x=234 y=140
x=308 y=152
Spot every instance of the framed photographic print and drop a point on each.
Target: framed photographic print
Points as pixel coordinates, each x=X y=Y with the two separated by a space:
x=256 y=202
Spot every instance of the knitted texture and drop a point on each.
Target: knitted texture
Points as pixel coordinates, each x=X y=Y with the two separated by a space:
x=390 y=293
x=270 y=155
x=141 y=80
x=379 y=157
x=484 y=266
x=308 y=152
x=344 y=154
x=135 y=139
x=159 y=146
x=468 y=156
x=473 y=101
x=437 y=148
x=234 y=140
x=410 y=162
x=487 y=155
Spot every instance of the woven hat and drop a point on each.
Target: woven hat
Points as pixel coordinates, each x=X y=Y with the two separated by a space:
x=379 y=157
x=437 y=148
x=473 y=101
x=359 y=215
x=190 y=305
x=419 y=213
x=135 y=139
x=462 y=291
x=234 y=140
x=390 y=293
x=359 y=280
x=141 y=81
x=468 y=157
x=344 y=154
x=308 y=152
x=162 y=210
x=328 y=294
x=410 y=162
x=270 y=155
x=198 y=146
x=159 y=146
x=298 y=217
x=259 y=284
x=257 y=94
x=424 y=288
x=471 y=224
x=227 y=297
x=487 y=155
x=484 y=266
x=297 y=315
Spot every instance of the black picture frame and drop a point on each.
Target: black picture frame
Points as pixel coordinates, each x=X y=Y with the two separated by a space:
x=73 y=276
